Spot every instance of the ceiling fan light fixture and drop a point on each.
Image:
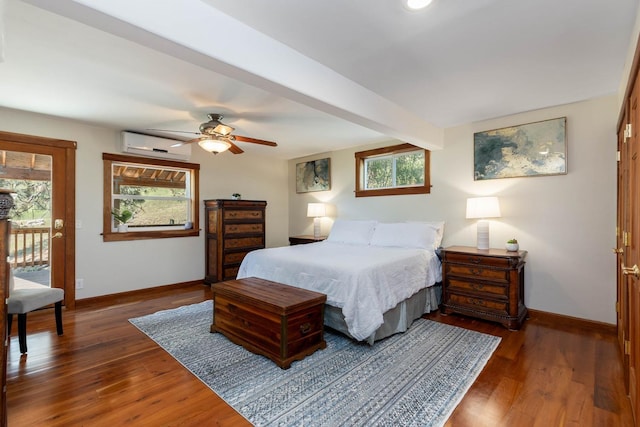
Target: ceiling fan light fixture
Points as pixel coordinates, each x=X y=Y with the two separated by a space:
x=222 y=129
x=214 y=145
x=416 y=4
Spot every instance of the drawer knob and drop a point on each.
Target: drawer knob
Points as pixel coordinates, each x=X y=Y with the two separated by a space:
x=305 y=328
x=477 y=286
x=475 y=301
x=474 y=260
x=476 y=271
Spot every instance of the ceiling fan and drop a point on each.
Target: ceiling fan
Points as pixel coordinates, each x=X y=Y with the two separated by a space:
x=216 y=137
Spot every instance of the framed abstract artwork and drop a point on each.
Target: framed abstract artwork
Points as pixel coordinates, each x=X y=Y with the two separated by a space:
x=314 y=175
x=532 y=149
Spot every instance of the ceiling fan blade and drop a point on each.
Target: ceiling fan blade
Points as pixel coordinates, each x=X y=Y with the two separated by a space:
x=175 y=131
x=195 y=140
x=254 y=140
x=235 y=149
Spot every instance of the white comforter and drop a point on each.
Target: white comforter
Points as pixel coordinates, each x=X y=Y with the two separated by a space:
x=364 y=281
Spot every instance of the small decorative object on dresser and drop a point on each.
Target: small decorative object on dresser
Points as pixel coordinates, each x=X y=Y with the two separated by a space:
x=236 y=196
x=512 y=245
x=304 y=239
x=233 y=228
x=487 y=284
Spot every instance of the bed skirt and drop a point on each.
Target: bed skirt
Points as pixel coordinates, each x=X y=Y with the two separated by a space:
x=396 y=320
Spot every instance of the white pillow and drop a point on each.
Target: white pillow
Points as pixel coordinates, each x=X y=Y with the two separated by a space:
x=408 y=235
x=438 y=227
x=352 y=232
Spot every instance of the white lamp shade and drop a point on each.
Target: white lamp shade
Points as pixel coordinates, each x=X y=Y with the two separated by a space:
x=316 y=210
x=483 y=207
x=214 y=145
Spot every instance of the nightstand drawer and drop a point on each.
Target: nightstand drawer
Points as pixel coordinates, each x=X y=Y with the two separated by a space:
x=486 y=289
x=477 y=260
x=499 y=275
x=499 y=307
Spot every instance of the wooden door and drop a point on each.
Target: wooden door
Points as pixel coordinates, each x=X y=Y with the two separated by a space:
x=622 y=224
x=62 y=242
x=631 y=255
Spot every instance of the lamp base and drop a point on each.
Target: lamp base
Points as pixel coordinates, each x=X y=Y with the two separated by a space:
x=317 y=227
x=483 y=234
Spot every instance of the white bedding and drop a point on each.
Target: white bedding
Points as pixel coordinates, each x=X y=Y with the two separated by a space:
x=364 y=281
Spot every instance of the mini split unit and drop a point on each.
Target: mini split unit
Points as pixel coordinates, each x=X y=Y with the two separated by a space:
x=154 y=146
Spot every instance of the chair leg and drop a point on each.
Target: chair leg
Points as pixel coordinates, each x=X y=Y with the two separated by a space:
x=9 y=323
x=22 y=332
x=58 y=309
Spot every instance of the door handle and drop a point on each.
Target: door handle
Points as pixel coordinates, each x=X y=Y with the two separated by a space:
x=618 y=250
x=58 y=235
x=631 y=271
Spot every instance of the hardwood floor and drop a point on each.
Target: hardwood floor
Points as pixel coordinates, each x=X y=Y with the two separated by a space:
x=104 y=372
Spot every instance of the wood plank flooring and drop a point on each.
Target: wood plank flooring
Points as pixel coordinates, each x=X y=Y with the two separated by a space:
x=104 y=372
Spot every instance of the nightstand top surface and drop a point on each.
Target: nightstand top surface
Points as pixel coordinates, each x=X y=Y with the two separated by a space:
x=487 y=252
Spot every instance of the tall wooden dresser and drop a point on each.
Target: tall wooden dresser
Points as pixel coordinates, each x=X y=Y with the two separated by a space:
x=233 y=228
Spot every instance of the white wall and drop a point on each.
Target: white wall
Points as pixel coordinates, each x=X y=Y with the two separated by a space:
x=114 y=267
x=566 y=223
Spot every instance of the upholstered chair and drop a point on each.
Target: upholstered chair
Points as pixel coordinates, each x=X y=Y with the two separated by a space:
x=26 y=296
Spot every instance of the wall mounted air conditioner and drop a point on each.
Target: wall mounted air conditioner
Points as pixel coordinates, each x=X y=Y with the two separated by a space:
x=154 y=146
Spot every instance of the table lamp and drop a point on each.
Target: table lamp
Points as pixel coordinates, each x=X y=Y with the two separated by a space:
x=316 y=211
x=483 y=208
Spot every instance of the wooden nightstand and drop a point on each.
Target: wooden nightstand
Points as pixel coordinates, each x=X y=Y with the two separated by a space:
x=301 y=240
x=487 y=284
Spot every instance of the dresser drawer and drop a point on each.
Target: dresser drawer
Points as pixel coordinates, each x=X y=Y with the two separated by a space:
x=497 y=274
x=243 y=228
x=477 y=303
x=483 y=288
x=244 y=242
x=243 y=214
x=234 y=257
x=477 y=260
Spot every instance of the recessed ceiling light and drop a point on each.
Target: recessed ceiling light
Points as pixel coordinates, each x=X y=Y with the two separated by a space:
x=417 y=4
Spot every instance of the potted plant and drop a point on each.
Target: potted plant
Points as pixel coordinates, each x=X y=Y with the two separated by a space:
x=122 y=217
x=236 y=196
x=512 y=245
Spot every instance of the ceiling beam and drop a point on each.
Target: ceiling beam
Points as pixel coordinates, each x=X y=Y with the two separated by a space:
x=196 y=32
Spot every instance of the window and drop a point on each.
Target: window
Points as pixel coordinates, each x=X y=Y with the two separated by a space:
x=399 y=169
x=160 y=196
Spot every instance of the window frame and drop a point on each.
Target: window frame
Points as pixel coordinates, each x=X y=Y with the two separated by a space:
x=361 y=156
x=108 y=235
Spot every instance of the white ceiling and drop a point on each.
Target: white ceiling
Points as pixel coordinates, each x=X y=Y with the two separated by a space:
x=314 y=76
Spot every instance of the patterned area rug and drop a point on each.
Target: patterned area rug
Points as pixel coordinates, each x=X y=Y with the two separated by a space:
x=412 y=379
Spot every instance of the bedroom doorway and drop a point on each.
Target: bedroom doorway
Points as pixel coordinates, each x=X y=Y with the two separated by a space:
x=41 y=174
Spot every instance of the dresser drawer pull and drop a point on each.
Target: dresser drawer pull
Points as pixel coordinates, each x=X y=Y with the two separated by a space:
x=474 y=260
x=476 y=271
x=305 y=328
x=477 y=286
x=233 y=214
x=475 y=301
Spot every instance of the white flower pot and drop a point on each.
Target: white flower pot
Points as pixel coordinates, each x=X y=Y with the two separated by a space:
x=512 y=247
x=123 y=228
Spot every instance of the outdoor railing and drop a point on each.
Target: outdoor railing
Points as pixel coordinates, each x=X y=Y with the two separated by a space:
x=29 y=247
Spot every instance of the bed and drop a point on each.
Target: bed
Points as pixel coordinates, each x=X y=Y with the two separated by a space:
x=378 y=277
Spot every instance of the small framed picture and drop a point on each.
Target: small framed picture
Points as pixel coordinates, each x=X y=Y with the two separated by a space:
x=314 y=175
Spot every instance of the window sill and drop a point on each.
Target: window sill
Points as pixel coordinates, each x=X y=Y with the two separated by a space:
x=143 y=235
x=393 y=191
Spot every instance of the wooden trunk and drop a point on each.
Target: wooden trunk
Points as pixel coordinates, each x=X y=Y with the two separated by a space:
x=280 y=322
